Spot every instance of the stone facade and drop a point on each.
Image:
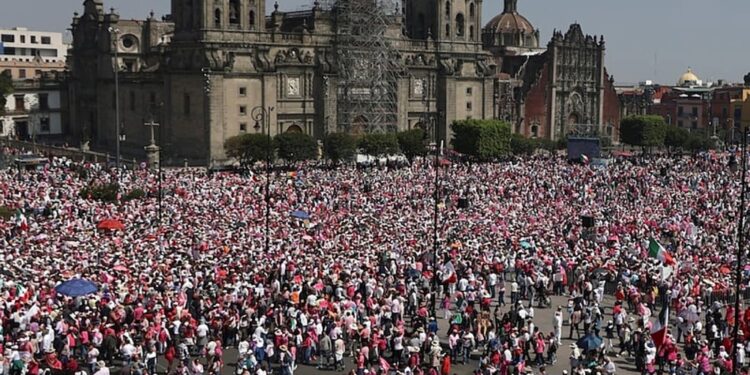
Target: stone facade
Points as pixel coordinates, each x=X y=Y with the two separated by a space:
x=545 y=92
x=202 y=70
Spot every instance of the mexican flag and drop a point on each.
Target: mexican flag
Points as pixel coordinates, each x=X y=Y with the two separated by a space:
x=659 y=329
x=656 y=250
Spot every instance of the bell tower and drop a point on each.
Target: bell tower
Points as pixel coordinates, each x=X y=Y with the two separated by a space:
x=448 y=20
x=240 y=15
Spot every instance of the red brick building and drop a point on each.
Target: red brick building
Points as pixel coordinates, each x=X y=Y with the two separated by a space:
x=544 y=92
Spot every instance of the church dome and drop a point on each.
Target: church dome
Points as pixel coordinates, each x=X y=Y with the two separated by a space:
x=688 y=78
x=510 y=21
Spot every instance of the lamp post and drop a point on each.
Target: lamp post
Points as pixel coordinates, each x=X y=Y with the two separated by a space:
x=262 y=117
x=113 y=32
x=740 y=250
x=206 y=116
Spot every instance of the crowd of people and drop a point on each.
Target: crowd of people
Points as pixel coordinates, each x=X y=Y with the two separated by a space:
x=357 y=283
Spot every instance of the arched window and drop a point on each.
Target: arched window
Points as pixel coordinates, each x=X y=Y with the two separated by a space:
x=471 y=10
x=447 y=30
x=234 y=12
x=448 y=9
x=251 y=21
x=471 y=32
x=460 y=24
x=217 y=18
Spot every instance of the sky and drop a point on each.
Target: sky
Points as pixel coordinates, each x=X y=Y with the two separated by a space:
x=645 y=39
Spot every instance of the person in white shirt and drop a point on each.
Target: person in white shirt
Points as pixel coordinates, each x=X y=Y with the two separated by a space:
x=557 y=324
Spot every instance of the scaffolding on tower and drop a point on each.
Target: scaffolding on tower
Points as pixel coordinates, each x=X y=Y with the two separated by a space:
x=368 y=67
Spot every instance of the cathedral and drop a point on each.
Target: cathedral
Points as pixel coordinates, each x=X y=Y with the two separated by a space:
x=213 y=69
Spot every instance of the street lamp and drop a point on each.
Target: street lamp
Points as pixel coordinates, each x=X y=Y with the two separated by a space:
x=113 y=32
x=262 y=117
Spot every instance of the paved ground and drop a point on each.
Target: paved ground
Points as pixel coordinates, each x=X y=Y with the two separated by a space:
x=543 y=319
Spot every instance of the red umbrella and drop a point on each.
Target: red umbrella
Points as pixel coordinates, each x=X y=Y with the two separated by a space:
x=110 y=224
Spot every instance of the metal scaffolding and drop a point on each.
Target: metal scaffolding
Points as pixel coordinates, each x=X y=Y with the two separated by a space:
x=368 y=67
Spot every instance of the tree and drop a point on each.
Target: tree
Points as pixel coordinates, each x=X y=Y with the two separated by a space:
x=676 y=137
x=698 y=142
x=644 y=131
x=339 y=147
x=412 y=143
x=379 y=144
x=521 y=145
x=249 y=148
x=483 y=139
x=296 y=147
x=6 y=88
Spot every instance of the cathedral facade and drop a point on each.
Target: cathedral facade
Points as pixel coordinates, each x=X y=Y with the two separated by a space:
x=204 y=72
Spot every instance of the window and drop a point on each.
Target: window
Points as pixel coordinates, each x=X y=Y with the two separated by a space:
x=469 y=91
x=21 y=73
x=186 y=104
x=460 y=24
x=37 y=73
x=471 y=10
x=217 y=18
x=234 y=14
x=7 y=38
x=448 y=9
x=20 y=105
x=447 y=30
x=251 y=21
x=243 y=91
x=46 y=40
x=680 y=111
x=695 y=111
x=44 y=124
x=724 y=112
x=23 y=38
x=33 y=39
x=471 y=32
x=243 y=127
x=243 y=110
x=43 y=102
x=468 y=107
x=132 y=101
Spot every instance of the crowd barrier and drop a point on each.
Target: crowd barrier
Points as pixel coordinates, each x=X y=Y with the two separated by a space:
x=68 y=152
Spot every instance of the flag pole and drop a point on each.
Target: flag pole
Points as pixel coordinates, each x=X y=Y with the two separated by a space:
x=740 y=253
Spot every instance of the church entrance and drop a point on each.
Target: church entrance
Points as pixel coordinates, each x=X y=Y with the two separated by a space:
x=294 y=129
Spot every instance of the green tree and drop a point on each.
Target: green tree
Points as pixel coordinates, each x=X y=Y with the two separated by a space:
x=698 y=142
x=296 y=147
x=339 y=147
x=249 y=148
x=6 y=88
x=412 y=143
x=379 y=144
x=645 y=131
x=521 y=145
x=676 y=137
x=483 y=139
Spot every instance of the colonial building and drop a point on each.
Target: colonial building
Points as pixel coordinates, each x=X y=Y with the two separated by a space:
x=549 y=92
x=204 y=71
x=36 y=109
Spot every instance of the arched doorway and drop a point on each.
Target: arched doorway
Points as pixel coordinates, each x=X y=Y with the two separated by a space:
x=294 y=129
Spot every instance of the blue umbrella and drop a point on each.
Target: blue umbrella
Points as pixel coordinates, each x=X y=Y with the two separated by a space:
x=299 y=214
x=589 y=342
x=76 y=288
